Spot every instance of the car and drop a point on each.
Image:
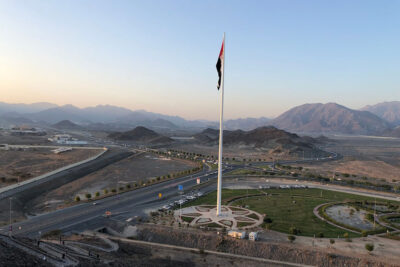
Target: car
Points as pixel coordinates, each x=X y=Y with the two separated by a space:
x=94 y=203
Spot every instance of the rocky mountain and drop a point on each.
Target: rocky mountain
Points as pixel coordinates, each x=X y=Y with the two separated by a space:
x=389 y=111
x=266 y=138
x=246 y=124
x=140 y=135
x=330 y=118
x=66 y=125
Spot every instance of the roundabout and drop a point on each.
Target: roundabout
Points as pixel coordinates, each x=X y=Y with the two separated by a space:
x=231 y=217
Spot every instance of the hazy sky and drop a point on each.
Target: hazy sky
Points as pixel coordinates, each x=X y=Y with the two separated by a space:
x=161 y=55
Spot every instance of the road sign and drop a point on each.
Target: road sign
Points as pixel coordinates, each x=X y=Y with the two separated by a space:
x=198 y=180
x=159 y=195
x=180 y=187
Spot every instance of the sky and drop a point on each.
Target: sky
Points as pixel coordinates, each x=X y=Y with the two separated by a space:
x=160 y=55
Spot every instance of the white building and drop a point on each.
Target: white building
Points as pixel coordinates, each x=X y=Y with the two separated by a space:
x=66 y=139
x=253 y=236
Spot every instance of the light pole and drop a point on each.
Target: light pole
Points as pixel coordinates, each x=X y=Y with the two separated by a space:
x=10 y=229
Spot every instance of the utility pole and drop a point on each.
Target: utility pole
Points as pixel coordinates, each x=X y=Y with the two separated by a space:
x=374 y=213
x=10 y=230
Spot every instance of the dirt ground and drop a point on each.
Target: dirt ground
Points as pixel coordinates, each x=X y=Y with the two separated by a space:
x=139 y=167
x=23 y=164
x=229 y=152
x=304 y=250
x=370 y=157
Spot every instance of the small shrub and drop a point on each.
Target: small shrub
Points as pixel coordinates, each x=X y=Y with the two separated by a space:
x=88 y=196
x=320 y=234
x=293 y=230
x=364 y=233
x=291 y=238
x=97 y=194
x=267 y=220
x=369 y=247
x=113 y=190
x=332 y=241
x=77 y=199
x=105 y=191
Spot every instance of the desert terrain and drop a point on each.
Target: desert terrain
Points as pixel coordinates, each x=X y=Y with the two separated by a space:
x=371 y=157
x=17 y=165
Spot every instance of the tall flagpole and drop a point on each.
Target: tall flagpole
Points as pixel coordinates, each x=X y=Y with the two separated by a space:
x=221 y=119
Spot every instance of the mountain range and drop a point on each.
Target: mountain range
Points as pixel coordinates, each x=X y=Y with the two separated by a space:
x=330 y=118
x=389 y=111
x=266 y=137
x=380 y=119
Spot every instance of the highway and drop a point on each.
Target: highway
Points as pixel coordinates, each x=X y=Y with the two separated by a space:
x=129 y=204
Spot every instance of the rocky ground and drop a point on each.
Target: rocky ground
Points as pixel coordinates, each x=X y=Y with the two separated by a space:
x=279 y=249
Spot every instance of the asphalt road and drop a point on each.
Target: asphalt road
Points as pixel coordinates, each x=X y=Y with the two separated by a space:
x=123 y=206
x=131 y=203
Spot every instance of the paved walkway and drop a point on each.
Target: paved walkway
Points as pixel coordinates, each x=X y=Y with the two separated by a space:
x=231 y=217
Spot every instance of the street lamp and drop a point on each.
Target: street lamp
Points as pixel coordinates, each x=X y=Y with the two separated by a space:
x=10 y=229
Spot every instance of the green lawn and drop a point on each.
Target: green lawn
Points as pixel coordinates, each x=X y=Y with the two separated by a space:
x=288 y=207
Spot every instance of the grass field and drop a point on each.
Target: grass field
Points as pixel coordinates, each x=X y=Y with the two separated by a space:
x=288 y=207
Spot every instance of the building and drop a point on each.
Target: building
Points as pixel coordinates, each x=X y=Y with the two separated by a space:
x=66 y=139
x=20 y=131
x=253 y=236
x=4 y=147
x=237 y=234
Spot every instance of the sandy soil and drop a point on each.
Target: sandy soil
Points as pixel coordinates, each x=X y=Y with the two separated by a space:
x=20 y=165
x=369 y=157
x=274 y=245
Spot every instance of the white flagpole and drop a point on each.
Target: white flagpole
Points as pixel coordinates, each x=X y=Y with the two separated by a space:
x=221 y=130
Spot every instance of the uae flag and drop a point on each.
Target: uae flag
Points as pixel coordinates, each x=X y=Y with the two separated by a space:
x=220 y=64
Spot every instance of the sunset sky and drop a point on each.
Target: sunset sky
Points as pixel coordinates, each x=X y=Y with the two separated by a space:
x=160 y=55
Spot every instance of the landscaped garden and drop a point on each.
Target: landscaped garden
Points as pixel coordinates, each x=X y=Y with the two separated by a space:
x=291 y=210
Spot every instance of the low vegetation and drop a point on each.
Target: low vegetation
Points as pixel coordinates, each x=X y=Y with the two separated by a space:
x=288 y=209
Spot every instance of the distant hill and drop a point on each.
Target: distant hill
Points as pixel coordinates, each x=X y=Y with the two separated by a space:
x=392 y=132
x=389 y=111
x=246 y=123
x=330 y=118
x=266 y=138
x=67 y=125
x=141 y=135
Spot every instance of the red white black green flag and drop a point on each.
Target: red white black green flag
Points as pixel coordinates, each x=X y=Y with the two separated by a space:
x=220 y=64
